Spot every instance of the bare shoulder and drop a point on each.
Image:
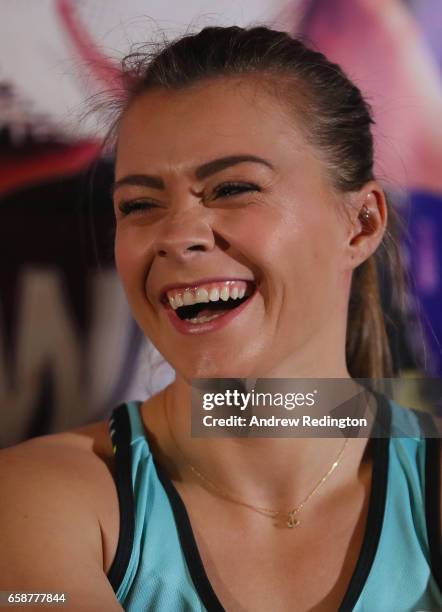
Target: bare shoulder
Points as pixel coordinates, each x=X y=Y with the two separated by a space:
x=93 y=437
x=79 y=460
x=87 y=443
x=59 y=515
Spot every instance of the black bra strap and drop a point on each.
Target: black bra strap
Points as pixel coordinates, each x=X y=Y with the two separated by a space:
x=121 y=436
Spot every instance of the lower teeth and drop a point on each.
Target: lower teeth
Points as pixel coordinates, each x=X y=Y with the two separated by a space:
x=204 y=319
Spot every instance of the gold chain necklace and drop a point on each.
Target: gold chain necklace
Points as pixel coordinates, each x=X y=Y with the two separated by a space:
x=292 y=520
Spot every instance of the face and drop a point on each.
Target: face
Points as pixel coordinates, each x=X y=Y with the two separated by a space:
x=217 y=191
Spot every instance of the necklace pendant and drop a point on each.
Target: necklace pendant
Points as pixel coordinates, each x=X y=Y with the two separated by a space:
x=292 y=521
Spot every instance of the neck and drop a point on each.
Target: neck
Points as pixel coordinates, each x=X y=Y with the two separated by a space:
x=269 y=471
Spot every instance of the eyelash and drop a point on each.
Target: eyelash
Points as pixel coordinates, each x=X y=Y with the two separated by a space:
x=240 y=187
x=133 y=205
x=126 y=208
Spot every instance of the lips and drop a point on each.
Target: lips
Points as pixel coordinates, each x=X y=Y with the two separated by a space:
x=207 y=303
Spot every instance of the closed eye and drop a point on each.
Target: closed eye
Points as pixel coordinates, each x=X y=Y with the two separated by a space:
x=131 y=206
x=222 y=191
x=231 y=189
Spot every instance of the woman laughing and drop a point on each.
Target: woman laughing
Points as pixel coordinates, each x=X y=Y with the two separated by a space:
x=248 y=223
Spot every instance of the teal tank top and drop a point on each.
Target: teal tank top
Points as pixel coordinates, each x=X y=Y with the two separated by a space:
x=158 y=568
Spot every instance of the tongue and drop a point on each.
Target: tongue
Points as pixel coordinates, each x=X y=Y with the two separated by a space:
x=206 y=312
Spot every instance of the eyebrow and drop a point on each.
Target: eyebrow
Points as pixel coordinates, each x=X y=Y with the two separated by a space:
x=202 y=172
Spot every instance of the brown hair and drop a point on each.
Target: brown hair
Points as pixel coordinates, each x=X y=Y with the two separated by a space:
x=335 y=119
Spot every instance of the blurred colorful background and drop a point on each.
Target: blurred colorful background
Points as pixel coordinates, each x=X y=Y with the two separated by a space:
x=69 y=349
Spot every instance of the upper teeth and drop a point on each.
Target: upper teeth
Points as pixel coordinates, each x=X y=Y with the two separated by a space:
x=212 y=292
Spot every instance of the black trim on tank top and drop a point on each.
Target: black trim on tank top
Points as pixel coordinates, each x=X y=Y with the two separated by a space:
x=120 y=432
x=432 y=506
x=376 y=504
x=188 y=544
x=428 y=429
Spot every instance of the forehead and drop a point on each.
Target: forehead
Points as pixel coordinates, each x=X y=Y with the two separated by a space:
x=224 y=116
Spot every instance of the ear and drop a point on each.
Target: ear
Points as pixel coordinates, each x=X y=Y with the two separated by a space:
x=368 y=221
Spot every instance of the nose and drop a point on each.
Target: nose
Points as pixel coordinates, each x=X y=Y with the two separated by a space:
x=183 y=235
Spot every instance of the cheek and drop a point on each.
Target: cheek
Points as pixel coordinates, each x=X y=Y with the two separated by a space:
x=305 y=254
x=261 y=232
x=130 y=261
x=318 y=282
x=122 y=256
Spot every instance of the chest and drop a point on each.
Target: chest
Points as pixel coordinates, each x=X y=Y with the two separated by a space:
x=260 y=564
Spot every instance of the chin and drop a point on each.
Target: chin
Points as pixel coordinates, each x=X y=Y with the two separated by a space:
x=207 y=369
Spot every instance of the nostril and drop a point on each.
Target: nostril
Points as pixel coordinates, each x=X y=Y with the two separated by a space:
x=193 y=247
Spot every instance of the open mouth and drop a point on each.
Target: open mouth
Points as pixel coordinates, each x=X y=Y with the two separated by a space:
x=209 y=309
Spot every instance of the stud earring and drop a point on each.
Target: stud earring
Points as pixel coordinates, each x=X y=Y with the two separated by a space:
x=365 y=214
